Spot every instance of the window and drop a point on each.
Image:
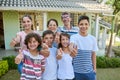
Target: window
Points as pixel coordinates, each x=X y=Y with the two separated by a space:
x=37 y=20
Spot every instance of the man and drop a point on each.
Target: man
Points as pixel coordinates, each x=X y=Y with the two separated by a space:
x=67 y=27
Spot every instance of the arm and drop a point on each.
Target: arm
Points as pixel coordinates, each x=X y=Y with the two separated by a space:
x=15 y=41
x=59 y=54
x=19 y=57
x=73 y=50
x=94 y=61
x=45 y=50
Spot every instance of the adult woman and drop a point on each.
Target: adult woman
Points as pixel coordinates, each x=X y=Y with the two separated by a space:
x=20 y=37
x=52 y=25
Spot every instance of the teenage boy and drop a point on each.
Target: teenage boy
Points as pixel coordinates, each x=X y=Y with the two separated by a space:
x=84 y=63
x=50 y=72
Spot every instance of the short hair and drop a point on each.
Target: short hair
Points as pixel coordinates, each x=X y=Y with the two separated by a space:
x=47 y=32
x=65 y=13
x=52 y=20
x=63 y=34
x=83 y=18
x=32 y=35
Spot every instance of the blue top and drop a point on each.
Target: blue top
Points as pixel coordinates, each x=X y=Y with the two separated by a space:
x=73 y=30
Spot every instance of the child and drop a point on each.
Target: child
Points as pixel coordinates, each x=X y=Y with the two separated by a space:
x=26 y=22
x=33 y=62
x=65 y=67
x=50 y=72
x=84 y=63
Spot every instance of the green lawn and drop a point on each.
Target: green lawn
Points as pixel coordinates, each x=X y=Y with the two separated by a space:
x=102 y=74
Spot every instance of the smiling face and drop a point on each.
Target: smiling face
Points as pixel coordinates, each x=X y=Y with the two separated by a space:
x=26 y=23
x=52 y=26
x=48 y=39
x=33 y=44
x=64 y=41
x=83 y=26
x=66 y=19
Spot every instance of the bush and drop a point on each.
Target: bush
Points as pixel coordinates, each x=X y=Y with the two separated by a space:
x=116 y=51
x=106 y=62
x=11 y=62
x=3 y=67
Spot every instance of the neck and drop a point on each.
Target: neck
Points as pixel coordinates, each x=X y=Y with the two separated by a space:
x=65 y=49
x=34 y=52
x=28 y=31
x=68 y=27
x=83 y=34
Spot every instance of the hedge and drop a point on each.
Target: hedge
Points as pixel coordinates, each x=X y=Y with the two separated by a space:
x=106 y=62
x=3 y=67
x=11 y=62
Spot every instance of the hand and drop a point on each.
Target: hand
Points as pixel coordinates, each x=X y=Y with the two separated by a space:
x=74 y=52
x=59 y=54
x=45 y=52
x=13 y=43
x=19 y=57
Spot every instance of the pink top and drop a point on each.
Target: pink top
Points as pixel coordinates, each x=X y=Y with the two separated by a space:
x=22 y=35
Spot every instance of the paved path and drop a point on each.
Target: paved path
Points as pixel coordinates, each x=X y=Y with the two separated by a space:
x=4 y=53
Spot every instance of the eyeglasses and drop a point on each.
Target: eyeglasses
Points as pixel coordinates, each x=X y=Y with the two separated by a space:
x=65 y=16
x=52 y=25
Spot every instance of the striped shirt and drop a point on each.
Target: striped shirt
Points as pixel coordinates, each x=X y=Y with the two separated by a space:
x=32 y=66
x=82 y=63
x=73 y=30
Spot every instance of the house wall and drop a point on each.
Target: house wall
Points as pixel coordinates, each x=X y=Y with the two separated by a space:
x=11 y=26
x=55 y=15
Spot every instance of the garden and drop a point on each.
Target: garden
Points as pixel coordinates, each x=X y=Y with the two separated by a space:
x=107 y=68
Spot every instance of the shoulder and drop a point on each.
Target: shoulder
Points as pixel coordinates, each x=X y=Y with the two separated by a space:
x=92 y=37
x=75 y=28
x=74 y=35
x=20 y=33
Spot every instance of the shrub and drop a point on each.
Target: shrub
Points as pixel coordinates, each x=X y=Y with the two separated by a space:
x=3 y=67
x=116 y=51
x=106 y=62
x=11 y=62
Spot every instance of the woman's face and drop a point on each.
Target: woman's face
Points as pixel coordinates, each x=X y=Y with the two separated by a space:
x=26 y=23
x=52 y=26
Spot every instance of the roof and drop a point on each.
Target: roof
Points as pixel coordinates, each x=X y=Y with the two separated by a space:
x=105 y=24
x=55 y=5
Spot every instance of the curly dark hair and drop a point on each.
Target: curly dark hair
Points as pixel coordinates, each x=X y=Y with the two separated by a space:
x=32 y=35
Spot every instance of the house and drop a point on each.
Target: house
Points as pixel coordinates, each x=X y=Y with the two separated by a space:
x=42 y=10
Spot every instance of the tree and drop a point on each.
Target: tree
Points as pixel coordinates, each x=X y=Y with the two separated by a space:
x=116 y=7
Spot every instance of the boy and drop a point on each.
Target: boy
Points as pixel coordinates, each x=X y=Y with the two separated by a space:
x=50 y=72
x=84 y=63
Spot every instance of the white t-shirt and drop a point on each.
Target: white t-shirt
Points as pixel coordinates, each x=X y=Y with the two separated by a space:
x=82 y=63
x=65 y=67
x=50 y=72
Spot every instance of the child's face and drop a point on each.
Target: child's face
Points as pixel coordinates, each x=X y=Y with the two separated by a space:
x=64 y=41
x=83 y=26
x=48 y=39
x=33 y=44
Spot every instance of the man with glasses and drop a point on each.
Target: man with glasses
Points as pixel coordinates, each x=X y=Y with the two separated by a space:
x=67 y=27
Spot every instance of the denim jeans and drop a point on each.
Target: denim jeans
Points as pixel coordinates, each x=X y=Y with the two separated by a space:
x=20 y=67
x=85 y=76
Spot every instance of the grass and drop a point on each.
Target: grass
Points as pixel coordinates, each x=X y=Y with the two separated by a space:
x=102 y=74
x=108 y=74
